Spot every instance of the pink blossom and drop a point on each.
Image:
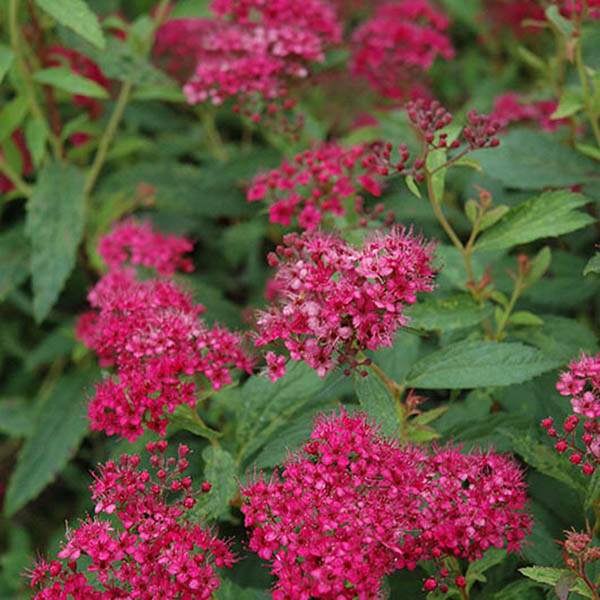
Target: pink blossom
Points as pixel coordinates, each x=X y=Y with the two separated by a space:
x=352 y=506
x=511 y=108
x=400 y=41
x=138 y=243
x=149 y=549
x=334 y=299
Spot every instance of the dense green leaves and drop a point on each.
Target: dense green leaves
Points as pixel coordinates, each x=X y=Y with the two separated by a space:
x=77 y=15
x=530 y=160
x=470 y=364
x=55 y=219
x=376 y=400
x=448 y=313
x=220 y=472
x=65 y=79
x=59 y=427
x=551 y=214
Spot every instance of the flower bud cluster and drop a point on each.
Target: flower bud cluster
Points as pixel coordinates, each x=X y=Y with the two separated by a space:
x=397 y=44
x=352 y=506
x=317 y=182
x=146 y=548
x=334 y=299
x=511 y=108
x=582 y=383
x=151 y=333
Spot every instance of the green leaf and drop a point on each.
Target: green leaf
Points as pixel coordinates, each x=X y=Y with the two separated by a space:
x=524 y=317
x=76 y=15
x=468 y=162
x=435 y=159
x=186 y=9
x=35 y=138
x=15 y=417
x=471 y=364
x=154 y=92
x=12 y=115
x=551 y=214
x=448 y=313
x=588 y=150
x=570 y=103
x=57 y=432
x=221 y=473
x=471 y=210
x=491 y=217
x=6 y=59
x=593 y=265
x=519 y=590
x=65 y=79
x=539 y=264
x=231 y=591
x=593 y=491
x=412 y=186
x=477 y=568
x=376 y=400
x=530 y=160
x=14 y=260
x=562 y=25
x=184 y=417
x=55 y=220
x=551 y=576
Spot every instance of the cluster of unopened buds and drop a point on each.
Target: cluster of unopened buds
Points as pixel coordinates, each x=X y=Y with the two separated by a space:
x=145 y=547
x=352 y=506
x=582 y=383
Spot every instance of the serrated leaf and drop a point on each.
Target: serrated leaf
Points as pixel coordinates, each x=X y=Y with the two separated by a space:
x=76 y=15
x=448 y=313
x=530 y=160
x=55 y=220
x=11 y=116
x=220 y=472
x=6 y=59
x=477 y=568
x=491 y=217
x=524 y=317
x=471 y=364
x=412 y=186
x=569 y=104
x=14 y=260
x=65 y=79
x=35 y=138
x=551 y=576
x=376 y=400
x=592 y=265
x=184 y=417
x=551 y=214
x=57 y=432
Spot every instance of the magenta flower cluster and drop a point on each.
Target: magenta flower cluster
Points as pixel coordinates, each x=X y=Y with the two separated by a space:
x=352 y=506
x=252 y=49
x=334 y=299
x=317 y=182
x=146 y=548
x=582 y=383
x=151 y=333
x=393 y=48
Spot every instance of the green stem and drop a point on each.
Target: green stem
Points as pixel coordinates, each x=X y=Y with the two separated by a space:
x=14 y=177
x=213 y=137
x=108 y=136
x=464 y=594
x=440 y=215
x=591 y=113
x=508 y=310
x=17 y=46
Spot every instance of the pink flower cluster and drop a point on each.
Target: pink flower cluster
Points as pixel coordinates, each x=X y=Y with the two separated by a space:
x=582 y=383
x=148 y=549
x=138 y=243
x=253 y=49
x=151 y=333
x=352 y=506
x=334 y=299
x=397 y=44
x=511 y=108
x=317 y=182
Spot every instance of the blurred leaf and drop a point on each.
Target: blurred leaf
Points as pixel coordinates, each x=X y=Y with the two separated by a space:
x=551 y=214
x=186 y=9
x=564 y=26
x=14 y=260
x=76 y=15
x=35 y=138
x=593 y=491
x=376 y=400
x=15 y=417
x=448 y=313
x=6 y=59
x=519 y=590
x=55 y=219
x=57 y=432
x=221 y=473
x=531 y=160
x=539 y=264
x=569 y=104
x=477 y=568
x=471 y=364
x=524 y=317
x=18 y=555
x=591 y=151
x=184 y=417
x=232 y=591
x=491 y=217
x=57 y=343
x=65 y=79
x=552 y=576
x=11 y=116
x=593 y=265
